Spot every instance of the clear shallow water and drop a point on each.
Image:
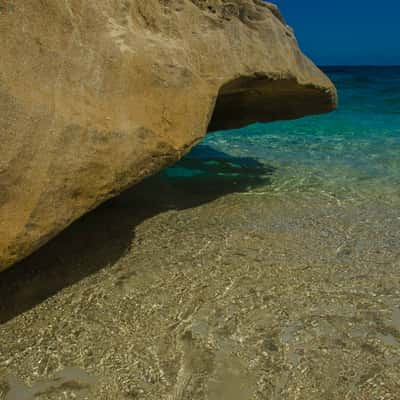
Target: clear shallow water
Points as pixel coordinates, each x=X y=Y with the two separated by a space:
x=248 y=296
x=351 y=153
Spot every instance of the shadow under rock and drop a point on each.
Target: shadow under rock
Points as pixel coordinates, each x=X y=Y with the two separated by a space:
x=102 y=236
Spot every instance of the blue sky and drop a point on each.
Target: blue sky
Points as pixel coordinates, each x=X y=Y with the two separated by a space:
x=346 y=32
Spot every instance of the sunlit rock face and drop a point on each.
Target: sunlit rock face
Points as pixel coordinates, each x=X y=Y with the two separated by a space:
x=97 y=95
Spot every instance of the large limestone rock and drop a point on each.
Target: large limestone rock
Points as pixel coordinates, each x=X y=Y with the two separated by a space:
x=97 y=94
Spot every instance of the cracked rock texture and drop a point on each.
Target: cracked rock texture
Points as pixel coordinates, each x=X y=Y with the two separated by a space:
x=97 y=95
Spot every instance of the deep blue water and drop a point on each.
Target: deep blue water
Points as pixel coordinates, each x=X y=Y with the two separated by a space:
x=353 y=152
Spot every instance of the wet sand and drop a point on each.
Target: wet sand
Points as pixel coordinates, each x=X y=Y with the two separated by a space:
x=164 y=294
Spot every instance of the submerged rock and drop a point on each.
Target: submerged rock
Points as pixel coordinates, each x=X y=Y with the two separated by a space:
x=97 y=95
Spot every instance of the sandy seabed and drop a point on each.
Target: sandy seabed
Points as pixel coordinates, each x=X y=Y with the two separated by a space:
x=160 y=294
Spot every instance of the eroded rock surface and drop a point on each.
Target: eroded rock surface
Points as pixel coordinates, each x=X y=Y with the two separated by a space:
x=96 y=95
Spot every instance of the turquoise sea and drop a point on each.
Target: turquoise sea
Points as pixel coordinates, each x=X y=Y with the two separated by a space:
x=349 y=154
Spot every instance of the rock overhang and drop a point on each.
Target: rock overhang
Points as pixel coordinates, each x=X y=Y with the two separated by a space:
x=96 y=96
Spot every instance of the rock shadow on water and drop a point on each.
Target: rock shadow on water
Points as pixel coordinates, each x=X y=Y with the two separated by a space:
x=208 y=173
x=102 y=236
